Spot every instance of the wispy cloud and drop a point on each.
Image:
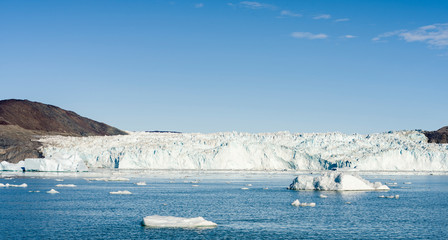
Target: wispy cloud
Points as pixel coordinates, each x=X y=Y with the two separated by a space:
x=286 y=13
x=349 y=36
x=322 y=16
x=342 y=20
x=308 y=35
x=199 y=5
x=254 y=5
x=435 y=35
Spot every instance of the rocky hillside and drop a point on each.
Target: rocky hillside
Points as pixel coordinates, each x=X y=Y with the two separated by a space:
x=439 y=136
x=23 y=121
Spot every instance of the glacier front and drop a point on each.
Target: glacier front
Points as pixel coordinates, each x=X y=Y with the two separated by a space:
x=392 y=151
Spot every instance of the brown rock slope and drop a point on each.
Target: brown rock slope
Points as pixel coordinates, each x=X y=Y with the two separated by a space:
x=439 y=136
x=23 y=121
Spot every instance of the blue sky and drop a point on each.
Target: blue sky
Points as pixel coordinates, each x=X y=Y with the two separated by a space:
x=251 y=66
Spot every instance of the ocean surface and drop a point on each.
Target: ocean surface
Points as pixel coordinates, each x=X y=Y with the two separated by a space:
x=264 y=211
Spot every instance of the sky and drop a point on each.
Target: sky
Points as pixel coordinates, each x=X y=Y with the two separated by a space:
x=214 y=66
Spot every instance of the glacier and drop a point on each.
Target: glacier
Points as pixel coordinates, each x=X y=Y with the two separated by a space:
x=391 y=151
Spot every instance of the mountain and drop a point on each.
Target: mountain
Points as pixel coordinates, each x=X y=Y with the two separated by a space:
x=439 y=136
x=22 y=122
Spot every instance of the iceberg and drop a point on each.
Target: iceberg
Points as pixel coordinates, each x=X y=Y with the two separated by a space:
x=157 y=221
x=52 y=191
x=335 y=181
x=125 y=192
x=23 y=185
x=140 y=183
x=297 y=203
x=65 y=185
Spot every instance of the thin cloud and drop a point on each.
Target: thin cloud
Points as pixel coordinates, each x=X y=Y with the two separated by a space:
x=349 y=36
x=199 y=5
x=308 y=35
x=435 y=35
x=286 y=13
x=255 y=5
x=342 y=20
x=322 y=16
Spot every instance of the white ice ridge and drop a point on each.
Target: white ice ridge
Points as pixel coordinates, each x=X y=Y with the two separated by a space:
x=335 y=181
x=402 y=151
x=157 y=221
x=60 y=164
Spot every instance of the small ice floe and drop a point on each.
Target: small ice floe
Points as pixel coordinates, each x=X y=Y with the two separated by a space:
x=195 y=185
x=140 y=183
x=171 y=181
x=323 y=196
x=52 y=191
x=65 y=185
x=297 y=203
x=394 y=196
x=249 y=185
x=157 y=221
x=407 y=183
x=23 y=185
x=125 y=192
x=59 y=180
x=244 y=188
x=117 y=179
x=34 y=191
x=111 y=179
x=196 y=181
x=392 y=184
x=265 y=188
x=382 y=196
x=348 y=202
x=228 y=182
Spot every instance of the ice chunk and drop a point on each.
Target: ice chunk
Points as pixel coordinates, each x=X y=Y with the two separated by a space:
x=157 y=221
x=65 y=185
x=244 y=188
x=323 y=196
x=140 y=183
x=335 y=181
x=52 y=191
x=125 y=192
x=23 y=185
x=297 y=203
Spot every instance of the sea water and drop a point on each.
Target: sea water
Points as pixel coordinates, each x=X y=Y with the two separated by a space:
x=263 y=211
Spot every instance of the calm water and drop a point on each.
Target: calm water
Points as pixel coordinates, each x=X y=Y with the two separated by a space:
x=88 y=211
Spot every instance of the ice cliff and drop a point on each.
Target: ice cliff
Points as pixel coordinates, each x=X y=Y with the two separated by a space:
x=402 y=150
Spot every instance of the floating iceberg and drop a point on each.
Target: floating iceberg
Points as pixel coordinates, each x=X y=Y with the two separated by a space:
x=52 y=191
x=297 y=203
x=65 y=185
x=335 y=181
x=140 y=183
x=125 y=192
x=23 y=185
x=157 y=221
